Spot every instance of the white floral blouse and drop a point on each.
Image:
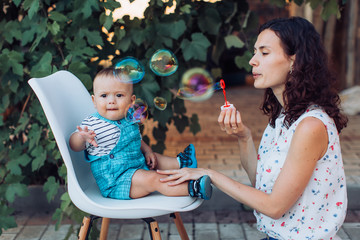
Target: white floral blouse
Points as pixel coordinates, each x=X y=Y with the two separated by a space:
x=321 y=209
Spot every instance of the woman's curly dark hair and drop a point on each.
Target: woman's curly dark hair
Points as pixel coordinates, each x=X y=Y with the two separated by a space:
x=311 y=81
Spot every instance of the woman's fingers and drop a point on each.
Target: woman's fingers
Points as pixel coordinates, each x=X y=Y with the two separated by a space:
x=221 y=120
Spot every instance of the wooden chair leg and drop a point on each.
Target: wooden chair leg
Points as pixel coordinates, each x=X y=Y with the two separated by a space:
x=180 y=226
x=153 y=228
x=84 y=228
x=104 y=228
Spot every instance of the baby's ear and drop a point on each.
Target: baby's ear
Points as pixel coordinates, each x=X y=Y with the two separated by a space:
x=93 y=100
x=133 y=98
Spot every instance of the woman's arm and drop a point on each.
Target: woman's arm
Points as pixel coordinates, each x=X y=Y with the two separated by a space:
x=308 y=145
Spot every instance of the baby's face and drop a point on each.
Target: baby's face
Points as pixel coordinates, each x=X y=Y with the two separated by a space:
x=112 y=98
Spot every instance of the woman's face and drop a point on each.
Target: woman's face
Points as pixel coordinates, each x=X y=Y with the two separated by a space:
x=270 y=64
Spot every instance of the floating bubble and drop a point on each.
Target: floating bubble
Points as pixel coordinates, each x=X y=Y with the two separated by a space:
x=163 y=62
x=129 y=70
x=196 y=85
x=160 y=103
x=137 y=112
x=217 y=86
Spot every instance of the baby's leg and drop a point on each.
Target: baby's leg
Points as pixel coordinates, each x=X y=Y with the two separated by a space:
x=145 y=182
x=166 y=162
x=187 y=158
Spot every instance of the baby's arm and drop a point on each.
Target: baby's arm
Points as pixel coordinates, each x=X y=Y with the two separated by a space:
x=150 y=156
x=78 y=139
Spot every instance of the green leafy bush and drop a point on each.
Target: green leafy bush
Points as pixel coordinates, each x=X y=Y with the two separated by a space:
x=40 y=37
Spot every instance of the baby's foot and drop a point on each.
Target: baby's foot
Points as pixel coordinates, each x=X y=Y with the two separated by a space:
x=187 y=158
x=200 y=188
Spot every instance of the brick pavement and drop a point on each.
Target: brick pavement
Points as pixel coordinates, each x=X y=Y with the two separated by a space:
x=217 y=151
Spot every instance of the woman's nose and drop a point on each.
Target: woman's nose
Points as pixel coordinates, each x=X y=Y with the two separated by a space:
x=253 y=62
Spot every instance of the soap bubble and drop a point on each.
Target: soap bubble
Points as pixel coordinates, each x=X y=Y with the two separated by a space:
x=160 y=103
x=137 y=112
x=196 y=85
x=217 y=86
x=163 y=62
x=129 y=70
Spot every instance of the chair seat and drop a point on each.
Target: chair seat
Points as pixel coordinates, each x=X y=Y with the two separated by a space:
x=132 y=209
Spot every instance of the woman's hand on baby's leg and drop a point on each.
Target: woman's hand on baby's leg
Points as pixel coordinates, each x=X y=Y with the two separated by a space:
x=178 y=176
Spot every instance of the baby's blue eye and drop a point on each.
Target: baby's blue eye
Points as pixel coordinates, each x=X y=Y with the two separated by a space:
x=119 y=95
x=103 y=95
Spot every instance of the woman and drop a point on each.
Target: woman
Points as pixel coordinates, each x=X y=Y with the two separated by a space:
x=298 y=184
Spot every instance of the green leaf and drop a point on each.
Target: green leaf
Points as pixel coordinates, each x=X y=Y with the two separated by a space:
x=23 y=122
x=57 y=16
x=173 y=30
x=233 y=41
x=32 y=6
x=330 y=8
x=210 y=21
x=197 y=48
x=181 y=122
x=194 y=124
x=299 y=2
x=93 y=37
x=179 y=106
x=43 y=67
x=159 y=147
x=243 y=61
x=51 y=188
x=81 y=70
x=54 y=28
x=34 y=135
x=6 y=221
x=39 y=158
x=278 y=3
x=110 y=5
x=11 y=31
x=85 y=7
x=315 y=3
x=106 y=20
x=159 y=133
x=15 y=59
x=186 y=9
x=163 y=116
x=16 y=161
x=147 y=89
x=15 y=189
x=17 y=3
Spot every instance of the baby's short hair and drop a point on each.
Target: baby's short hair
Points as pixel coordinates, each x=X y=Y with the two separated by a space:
x=106 y=72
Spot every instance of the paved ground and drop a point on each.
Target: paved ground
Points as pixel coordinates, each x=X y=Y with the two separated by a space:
x=219 y=218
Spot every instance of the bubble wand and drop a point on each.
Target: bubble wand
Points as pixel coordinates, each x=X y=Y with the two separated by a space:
x=227 y=105
x=222 y=85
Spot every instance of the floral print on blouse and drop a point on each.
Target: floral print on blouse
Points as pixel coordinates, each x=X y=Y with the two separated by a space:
x=321 y=209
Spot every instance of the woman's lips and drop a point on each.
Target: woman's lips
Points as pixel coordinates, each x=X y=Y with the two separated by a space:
x=256 y=75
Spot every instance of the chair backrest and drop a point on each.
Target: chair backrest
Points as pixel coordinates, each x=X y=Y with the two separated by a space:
x=66 y=102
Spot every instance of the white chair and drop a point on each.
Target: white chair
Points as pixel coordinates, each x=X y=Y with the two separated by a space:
x=66 y=102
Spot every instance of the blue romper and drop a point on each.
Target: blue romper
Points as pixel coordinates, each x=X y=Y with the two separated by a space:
x=113 y=172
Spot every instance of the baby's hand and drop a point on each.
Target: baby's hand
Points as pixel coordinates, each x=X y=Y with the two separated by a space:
x=151 y=160
x=88 y=135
